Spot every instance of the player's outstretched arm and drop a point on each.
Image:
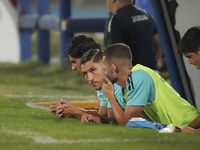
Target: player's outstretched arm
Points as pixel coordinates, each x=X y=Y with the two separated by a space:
x=68 y=110
x=65 y=109
x=98 y=119
x=187 y=130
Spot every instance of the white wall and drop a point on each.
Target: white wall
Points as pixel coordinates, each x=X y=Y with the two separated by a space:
x=188 y=15
x=9 y=35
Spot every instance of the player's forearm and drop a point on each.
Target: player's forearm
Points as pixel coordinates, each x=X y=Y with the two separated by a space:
x=78 y=114
x=117 y=110
x=106 y=120
x=195 y=123
x=187 y=129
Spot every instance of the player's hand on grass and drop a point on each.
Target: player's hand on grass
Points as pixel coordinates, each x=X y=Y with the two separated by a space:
x=185 y=130
x=68 y=110
x=90 y=118
x=53 y=107
x=59 y=111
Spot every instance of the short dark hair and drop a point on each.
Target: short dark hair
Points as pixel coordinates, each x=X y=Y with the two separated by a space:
x=95 y=55
x=81 y=44
x=127 y=1
x=190 y=42
x=119 y=51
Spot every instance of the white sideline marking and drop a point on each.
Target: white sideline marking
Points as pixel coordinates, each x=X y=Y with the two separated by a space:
x=45 y=108
x=35 y=106
x=51 y=96
x=49 y=140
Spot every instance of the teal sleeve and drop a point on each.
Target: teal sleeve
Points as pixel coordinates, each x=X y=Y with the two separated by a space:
x=104 y=101
x=109 y=105
x=140 y=88
x=119 y=96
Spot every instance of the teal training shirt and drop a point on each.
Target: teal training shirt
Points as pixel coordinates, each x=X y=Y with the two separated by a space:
x=141 y=89
x=104 y=101
x=119 y=96
x=166 y=106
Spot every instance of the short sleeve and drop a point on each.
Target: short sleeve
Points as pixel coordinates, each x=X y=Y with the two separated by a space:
x=99 y=94
x=119 y=96
x=104 y=101
x=139 y=88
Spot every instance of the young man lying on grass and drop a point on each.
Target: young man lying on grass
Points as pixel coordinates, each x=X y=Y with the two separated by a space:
x=189 y=46
x=91 y=67
x=75 y=49
x=145 y=93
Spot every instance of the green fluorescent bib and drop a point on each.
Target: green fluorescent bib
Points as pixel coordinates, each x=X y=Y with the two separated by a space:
x=168 y=107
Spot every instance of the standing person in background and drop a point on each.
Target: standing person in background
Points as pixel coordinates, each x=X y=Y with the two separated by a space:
x=136 y=28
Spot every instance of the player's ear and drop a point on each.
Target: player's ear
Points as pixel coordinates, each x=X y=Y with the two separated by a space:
x=114 y=68
x=117 y=70
x=198 y=52
x=114 y=1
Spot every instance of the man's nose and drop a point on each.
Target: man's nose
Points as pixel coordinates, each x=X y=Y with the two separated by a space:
x=90 y=77
x=189 y=61
x=74 y=67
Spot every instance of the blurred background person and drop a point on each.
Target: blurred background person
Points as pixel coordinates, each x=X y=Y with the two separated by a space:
x=136 y=28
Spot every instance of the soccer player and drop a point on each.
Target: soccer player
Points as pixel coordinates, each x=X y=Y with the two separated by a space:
x=146 y=93
x=91 y=65
x=190 y=46
x=75 y=49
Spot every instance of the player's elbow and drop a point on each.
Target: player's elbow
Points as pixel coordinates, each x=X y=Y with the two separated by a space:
x=122 y=122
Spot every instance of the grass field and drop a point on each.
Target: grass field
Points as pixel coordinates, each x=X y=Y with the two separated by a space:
x=22 y=127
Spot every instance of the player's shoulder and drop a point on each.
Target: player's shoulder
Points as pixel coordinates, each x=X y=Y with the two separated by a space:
x=137 y=78
x=139 y=74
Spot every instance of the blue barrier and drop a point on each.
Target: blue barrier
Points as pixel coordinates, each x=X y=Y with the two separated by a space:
x=153 y=7
x=167 y=48
x=43 y=35
x=65 y=35
x=25 y=35
x=43 y=22
x=145 y=4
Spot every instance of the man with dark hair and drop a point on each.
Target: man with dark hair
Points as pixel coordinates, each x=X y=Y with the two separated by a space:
x=190 y=46
x=136 y=28
x=76 y=48
x=146 y=93
x=91 y=65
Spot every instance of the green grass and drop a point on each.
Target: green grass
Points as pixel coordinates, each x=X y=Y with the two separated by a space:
x=22 y=127
x=30 y=80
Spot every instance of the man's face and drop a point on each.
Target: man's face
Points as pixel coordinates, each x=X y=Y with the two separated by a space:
x=75 y=64
x=194 y=59
x=93 y=74
x=107 y=70
x=109 y=4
